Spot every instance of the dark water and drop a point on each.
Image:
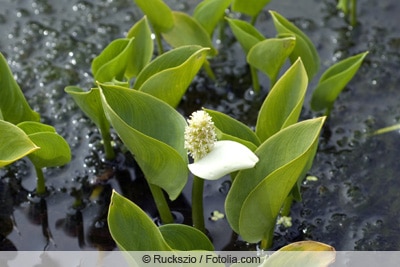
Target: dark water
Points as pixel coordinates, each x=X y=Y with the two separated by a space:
x=355 y=203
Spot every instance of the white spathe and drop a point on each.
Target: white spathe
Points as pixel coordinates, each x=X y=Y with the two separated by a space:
x=225 y=157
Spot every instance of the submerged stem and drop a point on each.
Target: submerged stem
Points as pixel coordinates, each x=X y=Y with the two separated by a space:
x=197 y=204
x=161 y=203
x=40 y=182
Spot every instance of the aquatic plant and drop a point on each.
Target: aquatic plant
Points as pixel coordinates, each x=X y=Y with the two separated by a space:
x=21 y=133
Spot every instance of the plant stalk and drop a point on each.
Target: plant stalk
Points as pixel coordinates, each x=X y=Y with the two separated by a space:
x=159 y=43
x=162 y=204
x=106 y=136
x=209 y=71
x=197 y=204
x=40 y=182
x=254 y=78
x=353 y=14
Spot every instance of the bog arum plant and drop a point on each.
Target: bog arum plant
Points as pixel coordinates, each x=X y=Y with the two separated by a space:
x=212 y=159
x=21 y=133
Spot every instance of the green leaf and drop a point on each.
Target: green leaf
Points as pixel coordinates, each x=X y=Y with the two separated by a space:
x=234 y=130
x=158 y=13
x=187 y=31
x=249 y=7
x=13 y=105
x=257 y=194
x=283 y=104
x=303 y=253
x=246 y=34
x=333 y=81
x=54 y=150
x=304 y=48
x=270 y=55
x=185 y=238
x=153 y=132
x=131 y=228
x=169 y=75
x=14 y=143
x=90 y=103
x=143 y=50
x=209 y=12
x=125 y=57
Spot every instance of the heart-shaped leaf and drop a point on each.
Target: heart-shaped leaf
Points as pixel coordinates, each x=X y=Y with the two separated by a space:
x=131 y=228
x=209 y=12
x=14 y=143
x=153 y=132
x=304 y=48
x=54 y=150
x=249 y=7
x=270 y=55
x=187 y=31
x=13 y=105
x=246 y=34
x=283 y=104
x=257 y=194
x=185 y=238
x=169 y=75
x=159 y=14
x=333 y=81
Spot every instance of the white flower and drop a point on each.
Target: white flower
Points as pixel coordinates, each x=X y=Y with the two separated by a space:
x=214 y=159
x=200 y=135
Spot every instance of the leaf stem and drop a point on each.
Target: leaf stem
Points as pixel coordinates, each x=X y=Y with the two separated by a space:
x=159 y=43
x=161 y=203
x=106 y=136
x=197 y=204
x=353 y=14
x=254 y=78
x=40 y=182
x=209 y=71
x=266 y=243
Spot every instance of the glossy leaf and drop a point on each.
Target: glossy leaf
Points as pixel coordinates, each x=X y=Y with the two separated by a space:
x=54 y=150
x=209 y=12
x=143 y=50
x=283 y=104
x=90 y=103
x=185 y=238
x=158 y=13
x=131 y=228
x=13 y=106
x=246 y=34
x=169 y=75
x=249 y=7
x=125 y=57
x=270 y=55
x=153 y=132
x=333 y=81
x=231 y=129
x=304 y=48
x=257 y=194
x=302 y=253
x=14 y=143
x=187 y=31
